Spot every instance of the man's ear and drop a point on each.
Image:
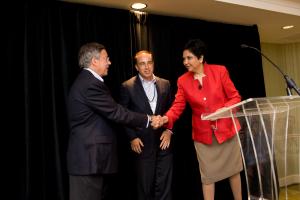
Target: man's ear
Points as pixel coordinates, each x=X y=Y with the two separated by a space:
x=93 y=61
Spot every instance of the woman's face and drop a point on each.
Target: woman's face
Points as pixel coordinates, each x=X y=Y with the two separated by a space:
x=191 y=62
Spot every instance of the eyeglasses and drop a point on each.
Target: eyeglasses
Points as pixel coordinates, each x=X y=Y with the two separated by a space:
x=104 y=58
x=107 y=59
x=144 y=64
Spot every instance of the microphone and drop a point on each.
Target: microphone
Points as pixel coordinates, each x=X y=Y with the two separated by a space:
x=245 y=46
x=289 y=81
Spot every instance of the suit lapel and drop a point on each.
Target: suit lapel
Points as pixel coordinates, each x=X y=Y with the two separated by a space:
x=158 y=86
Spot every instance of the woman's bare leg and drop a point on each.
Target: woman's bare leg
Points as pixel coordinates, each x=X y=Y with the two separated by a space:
x=208 y=191
x=236 y=188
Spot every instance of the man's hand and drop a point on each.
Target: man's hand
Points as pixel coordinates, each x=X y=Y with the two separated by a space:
x=165 y=139
x=158 y=121
x=136 y=145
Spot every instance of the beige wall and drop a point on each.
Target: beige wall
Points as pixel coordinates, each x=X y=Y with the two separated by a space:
x=287 y=57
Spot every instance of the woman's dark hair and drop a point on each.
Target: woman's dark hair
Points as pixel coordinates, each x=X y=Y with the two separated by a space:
x=197 y=47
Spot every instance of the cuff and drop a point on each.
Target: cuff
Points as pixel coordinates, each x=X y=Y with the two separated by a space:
x=149 y=120
x=170 y=130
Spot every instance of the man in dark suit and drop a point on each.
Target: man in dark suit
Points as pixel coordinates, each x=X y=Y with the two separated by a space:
x=153 y=157
x=92 y=144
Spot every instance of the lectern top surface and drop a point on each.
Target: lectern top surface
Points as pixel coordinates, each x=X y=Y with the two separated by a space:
x=256 y=106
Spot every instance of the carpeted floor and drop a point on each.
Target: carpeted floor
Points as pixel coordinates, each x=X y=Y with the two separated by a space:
x=293 y=192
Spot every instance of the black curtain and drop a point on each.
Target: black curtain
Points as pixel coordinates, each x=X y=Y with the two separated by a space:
x=41 y=45
x=41 y=42
x=169 y=34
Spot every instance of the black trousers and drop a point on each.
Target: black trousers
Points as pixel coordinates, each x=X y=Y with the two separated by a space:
x=93 y=187
x=154 y=176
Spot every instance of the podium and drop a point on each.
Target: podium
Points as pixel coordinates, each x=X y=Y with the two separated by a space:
x=269 y=139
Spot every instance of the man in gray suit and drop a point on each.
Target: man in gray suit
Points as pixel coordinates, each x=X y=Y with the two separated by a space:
x=153 y=157
x=92 y=150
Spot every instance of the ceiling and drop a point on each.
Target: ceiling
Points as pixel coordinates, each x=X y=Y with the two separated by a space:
x=268 y=15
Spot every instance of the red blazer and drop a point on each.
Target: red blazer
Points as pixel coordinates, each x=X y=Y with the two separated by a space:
x=217 y=91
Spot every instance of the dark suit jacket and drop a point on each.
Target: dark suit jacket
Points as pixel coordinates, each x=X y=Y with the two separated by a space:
x=133 y=96
x=92 y=111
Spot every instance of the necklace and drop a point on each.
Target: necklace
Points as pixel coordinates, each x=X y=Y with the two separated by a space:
x=148 y=92
x=154 y=94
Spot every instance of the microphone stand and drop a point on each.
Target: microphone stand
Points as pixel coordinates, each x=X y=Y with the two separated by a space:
x=289 y=81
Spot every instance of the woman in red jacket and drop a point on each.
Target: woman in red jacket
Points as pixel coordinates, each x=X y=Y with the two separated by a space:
x=208 y=88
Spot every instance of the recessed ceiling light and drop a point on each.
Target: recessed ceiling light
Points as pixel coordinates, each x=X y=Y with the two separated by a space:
x=288 y=27
x=138 y=6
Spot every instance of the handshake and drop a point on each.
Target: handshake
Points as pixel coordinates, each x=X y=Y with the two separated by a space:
x=158 y=121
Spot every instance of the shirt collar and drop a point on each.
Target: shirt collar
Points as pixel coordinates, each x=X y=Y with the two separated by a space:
x=95 y=74
x=146 y=81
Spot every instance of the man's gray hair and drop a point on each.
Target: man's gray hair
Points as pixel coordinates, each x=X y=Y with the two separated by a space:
x=87 y=52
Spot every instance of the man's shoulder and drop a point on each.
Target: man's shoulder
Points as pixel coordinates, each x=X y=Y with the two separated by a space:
x=162 y=80
x=85 y=75
x=82 y=77
x=130 y=82
x=82 y=82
